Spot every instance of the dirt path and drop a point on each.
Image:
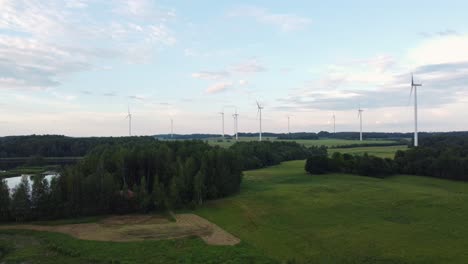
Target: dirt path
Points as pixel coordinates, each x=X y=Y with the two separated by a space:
x=142 y=227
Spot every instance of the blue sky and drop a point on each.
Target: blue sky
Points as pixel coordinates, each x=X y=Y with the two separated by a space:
x=73 y=67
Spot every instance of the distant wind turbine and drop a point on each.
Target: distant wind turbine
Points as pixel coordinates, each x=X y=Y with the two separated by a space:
x=129 y=116
x=222 y=117
x=360 y=122
x=172 y=128
x=259 y=113
x=334 y=124
x=289 y=126
x=236 y=117
x=415 y=87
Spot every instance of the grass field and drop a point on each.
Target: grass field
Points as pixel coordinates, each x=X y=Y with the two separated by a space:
x=347 y=219
x=383 y=152
x=306 y=142
x=24 y=246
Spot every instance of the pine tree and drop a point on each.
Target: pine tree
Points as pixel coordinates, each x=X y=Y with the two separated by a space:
x=40 y=197
x=21 y=202
x=4 y=201
x=158 y=195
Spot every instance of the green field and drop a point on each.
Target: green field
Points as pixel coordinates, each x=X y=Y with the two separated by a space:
x=383 y=152
x=306 y=142
x=43 y=247
x=340 y=218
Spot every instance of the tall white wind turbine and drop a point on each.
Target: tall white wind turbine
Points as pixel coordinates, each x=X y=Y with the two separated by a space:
x=289 y=124
x=415 y=87
x=236 y=117
x=259 y=113
x=129 y=116
x=360 y=122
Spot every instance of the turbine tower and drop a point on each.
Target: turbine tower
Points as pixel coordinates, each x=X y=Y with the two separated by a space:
x=415 y=87
x=129 y=116
x=222 y=117
x=334 y=124
x=289 y=127
x=236 y=117
x=259 y=113
x=360 y=122
x=172 y=128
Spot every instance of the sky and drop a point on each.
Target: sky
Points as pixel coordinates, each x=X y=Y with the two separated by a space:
x=73 y=67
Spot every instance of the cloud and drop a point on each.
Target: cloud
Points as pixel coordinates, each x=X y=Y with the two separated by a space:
x=210 y=75
x=243 y=82
x=443 y=33
x=218 y=87
x=43 y=41
x=250 y=66
x=439 y=50
x=137 y=97
x=440 y=64
x=109 y=94
x=285 y=22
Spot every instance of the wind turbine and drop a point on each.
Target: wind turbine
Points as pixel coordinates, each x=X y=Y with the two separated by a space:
x=259 y=112
x=360 y=120
x=415 y=87
x=334 y=124
x=236 y=117
x=172 y=128
x=289 y=127
x=222 y=117
x=129 y=116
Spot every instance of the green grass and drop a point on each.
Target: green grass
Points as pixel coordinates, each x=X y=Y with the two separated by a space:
x=306 y=142
x=383 y=152
x=27 y=170
x=339 y=218
x=22 y=246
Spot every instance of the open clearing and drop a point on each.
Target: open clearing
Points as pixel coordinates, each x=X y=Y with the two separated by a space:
x=141 y=227
x=340 y=218
x=328 y=142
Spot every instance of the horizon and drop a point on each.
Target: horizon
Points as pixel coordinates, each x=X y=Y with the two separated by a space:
x=73 y=67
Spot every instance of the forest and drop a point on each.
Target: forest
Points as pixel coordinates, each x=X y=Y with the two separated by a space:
x=142 y=177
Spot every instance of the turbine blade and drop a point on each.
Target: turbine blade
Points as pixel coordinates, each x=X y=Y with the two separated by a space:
x=410 y=95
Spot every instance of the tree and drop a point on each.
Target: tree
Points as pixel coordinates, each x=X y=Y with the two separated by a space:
x=40 y=196
x=21 y=203
x=317 y=164
x=4 y=201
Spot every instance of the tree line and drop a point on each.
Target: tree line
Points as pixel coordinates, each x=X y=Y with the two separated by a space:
x=56 y=145
x=143 y=177
x=441 y=156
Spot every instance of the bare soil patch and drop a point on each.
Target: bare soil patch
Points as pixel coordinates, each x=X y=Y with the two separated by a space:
x=141 y=227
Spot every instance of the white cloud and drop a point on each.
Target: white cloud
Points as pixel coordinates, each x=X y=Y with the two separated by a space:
x=449 y=49
x=250 y=66
x=285 y=22
x=218 y=87
x=210 y=75
x=44 y=40
x=243 y=82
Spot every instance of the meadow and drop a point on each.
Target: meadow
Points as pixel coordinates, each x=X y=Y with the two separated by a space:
x=328 y=142
x=382 y=152
x=338 y=218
